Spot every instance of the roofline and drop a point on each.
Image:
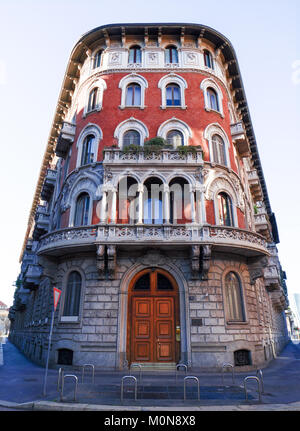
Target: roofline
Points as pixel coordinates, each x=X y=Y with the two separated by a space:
x=80 y=48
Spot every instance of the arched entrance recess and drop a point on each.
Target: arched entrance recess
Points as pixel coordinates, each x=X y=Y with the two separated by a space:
x=153 y=316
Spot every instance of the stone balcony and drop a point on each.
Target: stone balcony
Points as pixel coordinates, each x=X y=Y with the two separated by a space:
x=254 y=184
x=32 y=275
x=65 y=139
x=240 y=140
x=262 y=225
x=87 y=238
x=49 y=184
x=166 y=156
x=42 y=219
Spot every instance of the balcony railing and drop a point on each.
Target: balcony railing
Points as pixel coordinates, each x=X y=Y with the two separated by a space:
x=65 y=139
x=240 y=140
x=166 y=156
x=49 y=184
x=254 y=184
x=87 y=237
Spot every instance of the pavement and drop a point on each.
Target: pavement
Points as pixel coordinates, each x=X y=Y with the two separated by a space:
x=22 y=384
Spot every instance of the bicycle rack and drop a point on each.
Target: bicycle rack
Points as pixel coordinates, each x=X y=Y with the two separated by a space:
x=260 y=373
x=63 y=384
x=227 y=365
x=60 y=377
x=258 y=385
x=184 y=388
x=140 y=368
x=93 y=372
x=135 y=386
x=177 y=369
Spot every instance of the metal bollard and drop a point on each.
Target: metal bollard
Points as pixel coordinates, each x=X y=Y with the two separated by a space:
x=177 y=369
x=258 y=385
x=135 y=386
x=63 y=384
x=140 y=368
x=93 y=372
x=60 y=377
x=260 y=373
x=227 y=365
x=184 y=389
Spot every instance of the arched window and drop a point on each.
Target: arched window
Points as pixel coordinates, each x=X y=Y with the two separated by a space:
x=93 y=99
x=225 y=210
x=153 y=203
x=218 y=147
x=175 y=138
x=73 y=293
x=133 y=95
x=212 y=98
x=173 y=95
x=82 y=208
x=171 y=54
x=131 y=137
x=233 y=293
x=180 y=201
x=135 y=54
x=208 y=60
x=87 y=155
x=97 y=59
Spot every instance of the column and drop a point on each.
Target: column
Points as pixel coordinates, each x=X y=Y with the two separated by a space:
x=141 y=203
x=113 y=216
x=192 y=199
x=103 y=207
x=166 y=202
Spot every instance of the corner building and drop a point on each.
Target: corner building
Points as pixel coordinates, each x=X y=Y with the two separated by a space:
x=151 y=212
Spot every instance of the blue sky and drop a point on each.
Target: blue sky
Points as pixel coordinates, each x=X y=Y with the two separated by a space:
x=36 y=39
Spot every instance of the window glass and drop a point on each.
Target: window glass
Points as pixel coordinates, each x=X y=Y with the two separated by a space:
x=93 y=99
x=163 y=283
x=87 y=155
x=73 y=292
x=171 y=54
x=213 y=101
x=173 y=95
x=218 y=150
x=234 y=297
x=97 y=59
x=225 y=210
x=175 y=138
x=133 y=95
x=143 y=283
x=208 y=61
x=135 y=54
x=153 y=206
x=132 y=137
x=82 y=210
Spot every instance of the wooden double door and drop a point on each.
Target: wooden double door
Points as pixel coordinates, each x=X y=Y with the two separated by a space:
x=153 y=318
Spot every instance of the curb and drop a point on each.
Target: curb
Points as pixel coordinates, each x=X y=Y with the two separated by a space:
x=53 y=406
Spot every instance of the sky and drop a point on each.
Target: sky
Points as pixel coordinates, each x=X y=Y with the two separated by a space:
x=36 y=39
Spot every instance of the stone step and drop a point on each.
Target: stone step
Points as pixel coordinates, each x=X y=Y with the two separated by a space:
x=154 y=366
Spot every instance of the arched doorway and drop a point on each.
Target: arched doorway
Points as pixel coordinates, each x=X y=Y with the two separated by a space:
x=153 y=333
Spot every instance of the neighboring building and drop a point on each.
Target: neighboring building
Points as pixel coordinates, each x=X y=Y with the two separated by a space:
x=164 y=249
x=4 y=320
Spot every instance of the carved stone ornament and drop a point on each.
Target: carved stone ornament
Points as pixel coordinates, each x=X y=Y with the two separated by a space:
x=205 y=260
x=111 y=261
x=195 y=261
x=153 y=258
x=101 y=261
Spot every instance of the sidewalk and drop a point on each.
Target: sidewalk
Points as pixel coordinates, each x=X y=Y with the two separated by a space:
x=21 y=387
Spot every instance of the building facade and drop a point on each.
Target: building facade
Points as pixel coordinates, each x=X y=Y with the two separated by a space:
x=4 y=320
x=151 y=212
